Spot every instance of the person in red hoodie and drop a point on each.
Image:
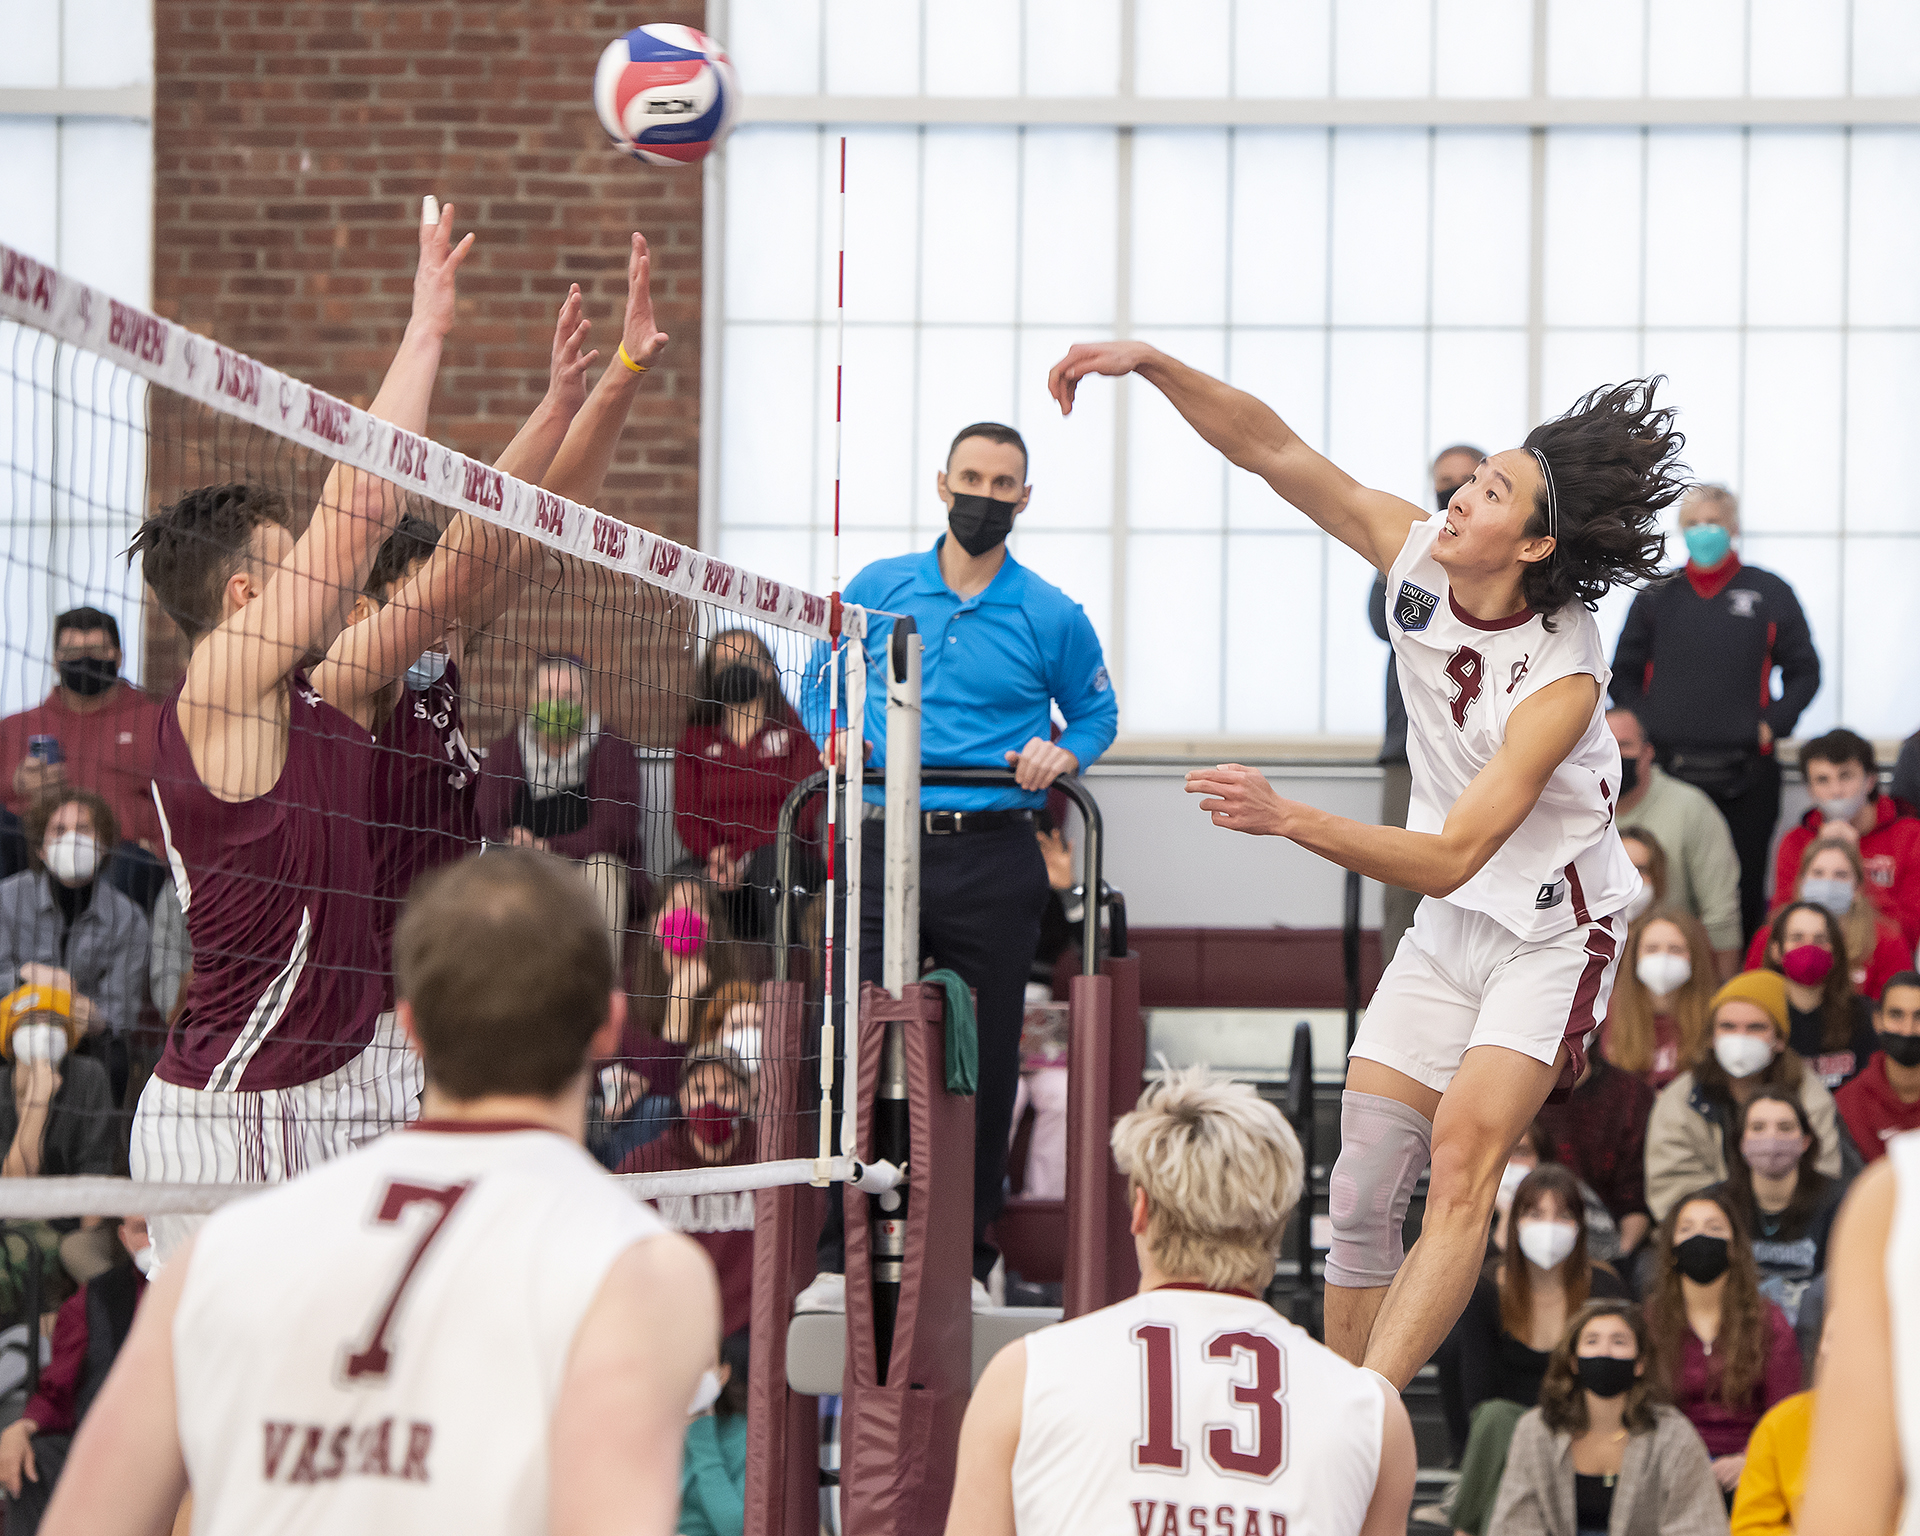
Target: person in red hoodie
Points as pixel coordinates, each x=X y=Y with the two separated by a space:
x=1844 y=781
x=1884 y=1099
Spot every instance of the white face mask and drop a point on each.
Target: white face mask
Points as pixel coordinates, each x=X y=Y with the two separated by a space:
x=143 y=1260
x=706 y=1394
x=1742 y=1055
x=1547 y=1243
x=1662 y=974
x=38 y=1042
x=1639 y=901
x=1843 y=807
x=72 y=858
x=427 y=671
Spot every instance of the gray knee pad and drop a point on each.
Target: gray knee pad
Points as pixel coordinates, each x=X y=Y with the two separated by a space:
x=1384 y=1146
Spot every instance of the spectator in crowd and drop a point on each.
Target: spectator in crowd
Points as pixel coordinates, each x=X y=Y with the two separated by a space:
x=91 y=1326
x=742 y=753
x=1726 y=1353
x=1688 y=655
x=1452 y=468
x=1785 y=1203
x=1518 y=1312
x=731 y=1021
x=1883 y=1099
x=1828 y=1022
x=1702 y=872
x=1601 y=1455
x=1831 y=875
x=1844 y=782
x=1650 y=859
x=1767 y=1502
x=1600 y=1134
x=1658 y=1020
x=1534 y=1149
x=1043 y=1088
x=1696 y=1118
x=1003 y=649
x=560 y=783
x=713 y=1475
x=95 y=731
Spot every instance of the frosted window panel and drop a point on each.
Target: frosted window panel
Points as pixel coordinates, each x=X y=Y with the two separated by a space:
x=859 y=548
x=768 y=463
x=1283 y=48
x=1380 y=213
x=1796 y=226
x=1595 y=50
x=1698 y=47
x=1593 y=224
x=972 y=211
x=1479 y=392
x=1693 y=261
x=1482 y=189
x=1171 y=669
x=1179 y=226
x=1079 y=564
x=784 y=554
x=1072 y=469
x=1883 y=450
x=1182 y=47
x=1288 y=370
x=1573 y=362
x=1273 y=634
x=1068 y=190
x=1174 y=479
x=1880 y=686
x=876 y=456
x=1704 y=384
x=1073 y=47
x=775 y=45
x=1279 y=226
x=1886 y=48
x=108 y=43
x=1377 y=410
x=1483 y=48
x=30 y=212
x=974 y=49
x=773 y=180
x=1797 y=49
x=1356 y=660
x=1794 y=393
x=883 y=238
x=32 y=55
x=966 y=375
x=1811 y=566
x=1884 y=250
x=1383 y=48
x=873 y=48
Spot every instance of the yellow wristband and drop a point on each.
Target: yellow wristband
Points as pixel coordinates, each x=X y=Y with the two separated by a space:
x=636 y=367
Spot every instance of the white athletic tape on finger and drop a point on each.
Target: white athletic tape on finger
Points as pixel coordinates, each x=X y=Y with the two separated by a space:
x=429 y=209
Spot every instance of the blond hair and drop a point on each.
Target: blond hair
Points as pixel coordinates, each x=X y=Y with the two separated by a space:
x=1221 y=1169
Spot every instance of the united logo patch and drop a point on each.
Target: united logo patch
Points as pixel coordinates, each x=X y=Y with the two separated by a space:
x=1413 y=608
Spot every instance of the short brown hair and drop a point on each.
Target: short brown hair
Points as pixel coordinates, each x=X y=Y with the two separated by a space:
x=106 y=831
x=993 y=432
x=190 y=549
x=1563 y=1403
x=505 y=963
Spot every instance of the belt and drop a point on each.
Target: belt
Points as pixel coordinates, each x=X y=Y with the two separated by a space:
x=952 y=823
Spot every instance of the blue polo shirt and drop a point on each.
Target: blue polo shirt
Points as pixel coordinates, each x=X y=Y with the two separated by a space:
x=994 y=665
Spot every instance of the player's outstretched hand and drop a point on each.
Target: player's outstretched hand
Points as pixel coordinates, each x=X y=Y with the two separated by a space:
x=1040 y=762
x=1240 y=799
x=567 y=371
x=439 y=260
x=1112 y=358
x=639 y=335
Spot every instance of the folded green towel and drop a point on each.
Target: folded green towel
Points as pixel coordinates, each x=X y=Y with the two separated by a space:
x=963 y=1032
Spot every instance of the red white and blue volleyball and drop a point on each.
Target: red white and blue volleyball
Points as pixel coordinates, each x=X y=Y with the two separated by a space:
x=666 y=93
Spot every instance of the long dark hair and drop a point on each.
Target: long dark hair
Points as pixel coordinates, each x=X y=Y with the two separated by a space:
x=735 y=1352
x=1741 y=1347
x=705 y=709
x=1563 y=1403
x=1809 y=1182
x=1836 y=992
x=1516 y=1274
x=1615 y=468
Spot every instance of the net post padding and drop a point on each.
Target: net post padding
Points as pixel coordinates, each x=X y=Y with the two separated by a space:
x=899 y=1442
x=1106 y=1056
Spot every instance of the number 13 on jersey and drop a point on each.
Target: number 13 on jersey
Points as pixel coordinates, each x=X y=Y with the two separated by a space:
x=1252 y=1446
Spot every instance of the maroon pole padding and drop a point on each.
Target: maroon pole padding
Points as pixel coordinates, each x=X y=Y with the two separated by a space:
x=1084 y=1287
x=899 y=1442
x=1126 y=1061
x=783 y=1428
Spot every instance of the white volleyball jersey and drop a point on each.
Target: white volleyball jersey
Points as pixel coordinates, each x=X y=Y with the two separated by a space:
x=1462 y=678
x=378 y=1345
x=1189 y=1412
x=1903 y=1298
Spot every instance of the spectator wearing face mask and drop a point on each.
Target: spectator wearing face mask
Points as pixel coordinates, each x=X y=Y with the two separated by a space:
x=1883 y=1099
x=1702 y=874
x=1843 y=780
x=1828 y=1022
x=1688 y=655
x=1832 y=876
x=1658 y=1021
x=1786 y=1204
x=1696 y=1118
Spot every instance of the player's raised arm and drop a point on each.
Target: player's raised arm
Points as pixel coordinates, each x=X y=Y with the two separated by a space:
x=1251 y=435
x=989 y=1435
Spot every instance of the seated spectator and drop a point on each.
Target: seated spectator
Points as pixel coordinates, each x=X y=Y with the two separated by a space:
x=1785 y=1203
x=91 y=1326
x=1656 y=1025
x=1517 y=1314
x=1844 y=781
x=1767 y=1502
x=1644 y=850
x=713 y=1475
x=1603 y=1447
x=1832 y=876
x=1534 y=1149
x=1697 y=1115
x=1828 y=1022
x=1726 y=1353
x=560 y=783
x=731 y=1022
x=1883 y=1099
x=95 y=731
x=1600 y=1134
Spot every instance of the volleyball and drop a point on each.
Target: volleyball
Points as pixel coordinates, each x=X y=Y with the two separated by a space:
x=666 y=93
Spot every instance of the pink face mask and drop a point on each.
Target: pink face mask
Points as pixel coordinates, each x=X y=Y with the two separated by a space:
x=1807 y=964
x=713 y=1123
x=682 y=930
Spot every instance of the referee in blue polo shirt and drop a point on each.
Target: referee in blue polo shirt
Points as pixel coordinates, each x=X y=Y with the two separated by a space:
x=1002 y=647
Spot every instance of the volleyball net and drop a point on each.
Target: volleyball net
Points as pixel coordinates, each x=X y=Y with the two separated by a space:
x=532 y=672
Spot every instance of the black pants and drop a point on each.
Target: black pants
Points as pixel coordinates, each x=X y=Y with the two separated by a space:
x=25 y=1513
x=981 y=896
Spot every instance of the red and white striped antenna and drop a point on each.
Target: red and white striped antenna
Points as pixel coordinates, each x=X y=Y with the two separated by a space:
x=827 y=1050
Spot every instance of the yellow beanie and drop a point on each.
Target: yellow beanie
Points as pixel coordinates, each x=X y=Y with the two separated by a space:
x=1766 y=990
x=35 y=1004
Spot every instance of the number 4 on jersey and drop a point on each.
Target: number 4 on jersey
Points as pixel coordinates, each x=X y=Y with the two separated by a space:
x=1466 y=670
x=1160 y=1447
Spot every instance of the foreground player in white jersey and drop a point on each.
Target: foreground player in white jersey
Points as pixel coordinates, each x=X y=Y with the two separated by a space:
x=1510 y=836
x=1193 y=1409
x=465 y=1326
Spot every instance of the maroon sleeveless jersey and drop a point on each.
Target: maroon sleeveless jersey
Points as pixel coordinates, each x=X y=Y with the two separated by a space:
x=278 y=899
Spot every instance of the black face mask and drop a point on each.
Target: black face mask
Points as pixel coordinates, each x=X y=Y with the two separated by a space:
x=1629 y=776
x=737 y=684
x=1603 y=1375
x=88 y=676
x=980 y=522
x=1903 y=1049
x=1702 y=1259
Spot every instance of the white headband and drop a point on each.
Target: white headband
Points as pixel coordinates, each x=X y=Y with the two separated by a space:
x=1553 y=501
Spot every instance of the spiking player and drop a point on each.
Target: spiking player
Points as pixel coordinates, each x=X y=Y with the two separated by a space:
x=1511 y=835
